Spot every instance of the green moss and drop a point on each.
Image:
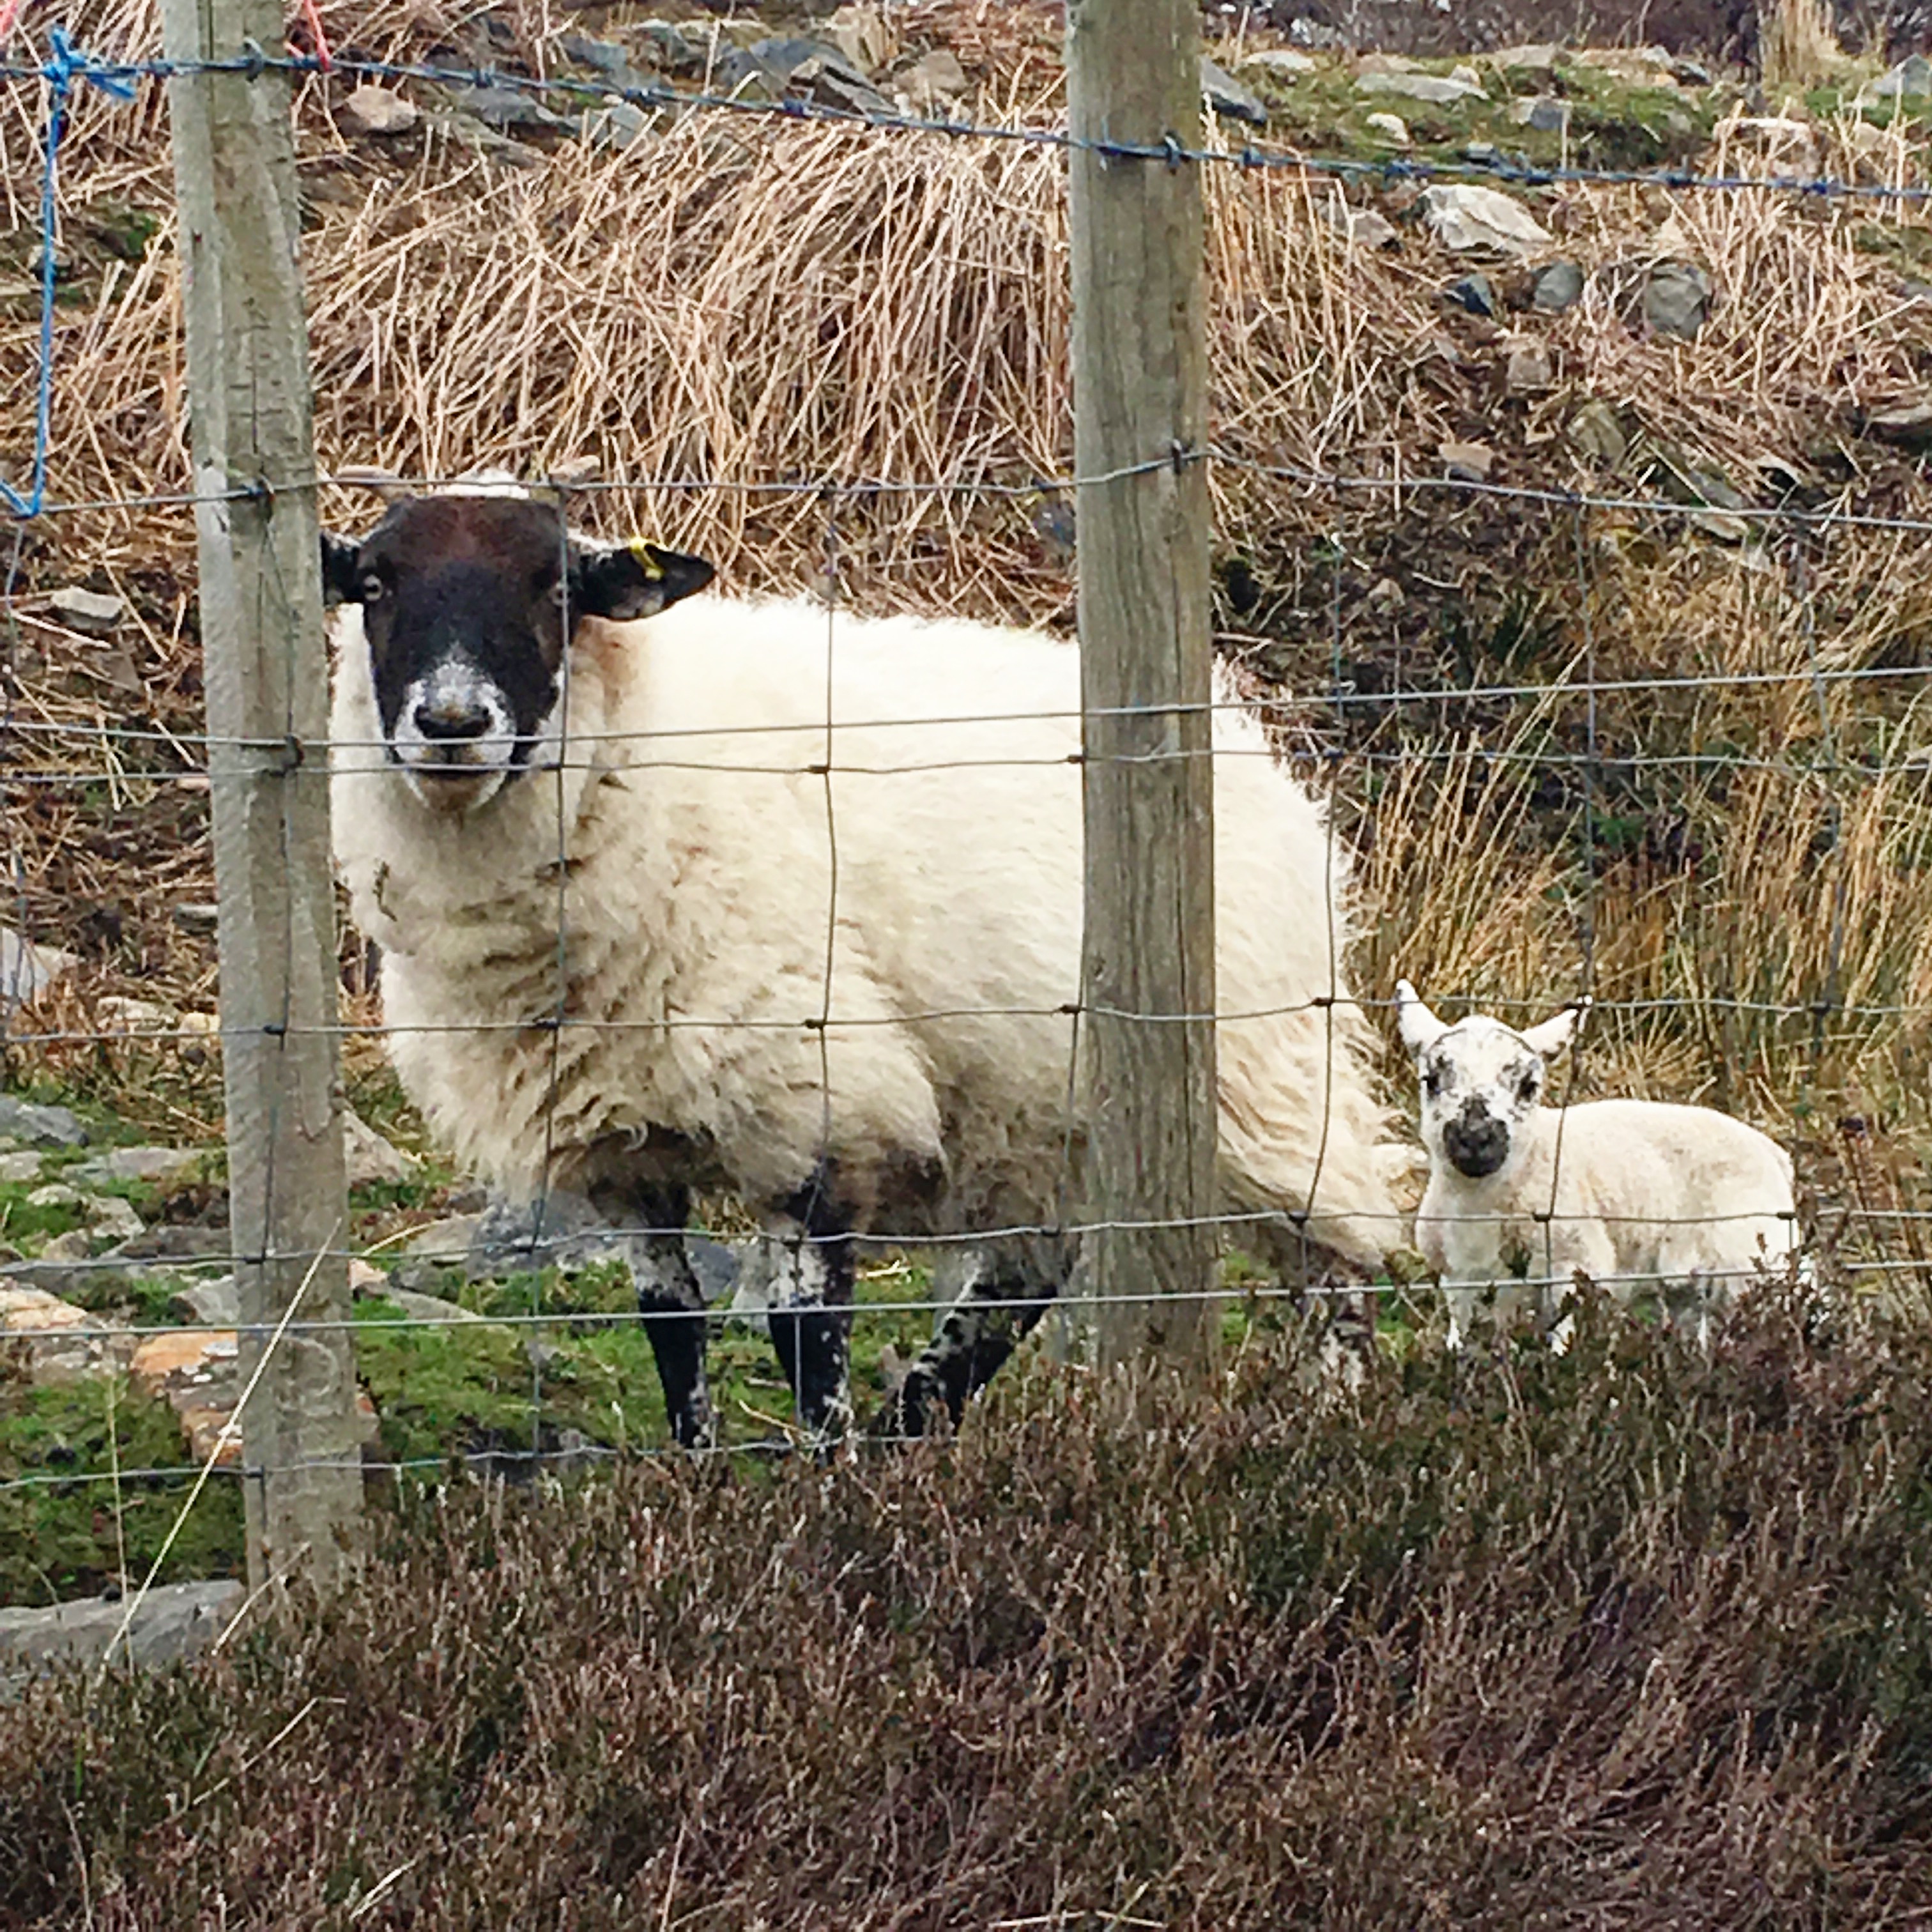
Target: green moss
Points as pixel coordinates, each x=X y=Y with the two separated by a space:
x=58 y=1538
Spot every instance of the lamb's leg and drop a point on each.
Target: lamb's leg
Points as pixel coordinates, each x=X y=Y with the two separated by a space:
x=810 y=1319
x=669 y=1298
x=999 y=1307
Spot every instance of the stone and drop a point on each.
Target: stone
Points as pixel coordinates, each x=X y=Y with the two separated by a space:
x=1382 y=63
x=1677 y=299
x=55 y=1194
x=934 y=77
x=430 y=1308
x=174 y=1245
x=1692 y=74
x=616 y=125
x=1306 y=32
x=1228 y=97
x=153 y=1166
x=1556 y=287
x=111 y=1217
x=1390 y=127
x=1790 y=146
x=1545 y=114
x=448 y=1240
x=1650 y=66
x=1473 y=292
x=678 y=47
x=1471 y=461
x=369 y=1159
x=603 y=57
x=505 y=1238
x=1438 y=90
x=1464 y=216
x=376 y=112
x=1285 y=63
x=51 y=1359
x=1469 y=77
x=1911 y=79
x=212 y=1304
x=197 y=916
x=93 y=612
x=118 y=1013
x=28 y=968
x=1361 y=226
x=169 y=1624
x=1528 y=371
x=64 y=1249
x=503 y=108
x=194 y=1371
x=1909 y=425
x=861 y=35
x=17 y=1167
x=1540 y=59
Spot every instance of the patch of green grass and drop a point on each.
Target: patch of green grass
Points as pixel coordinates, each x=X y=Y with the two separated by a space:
x=24 y=1226
x=58 y=1538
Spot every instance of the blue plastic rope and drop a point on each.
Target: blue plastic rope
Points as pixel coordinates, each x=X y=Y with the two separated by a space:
x=65 y=64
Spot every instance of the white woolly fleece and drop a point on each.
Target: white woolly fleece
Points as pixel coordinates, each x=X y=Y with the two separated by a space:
x=697 y=893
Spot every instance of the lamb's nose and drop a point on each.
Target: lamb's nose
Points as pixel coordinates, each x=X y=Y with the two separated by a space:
x=1477 y=1144
x=452 y=718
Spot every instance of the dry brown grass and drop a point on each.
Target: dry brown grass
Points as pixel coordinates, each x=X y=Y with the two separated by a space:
x=752 y=302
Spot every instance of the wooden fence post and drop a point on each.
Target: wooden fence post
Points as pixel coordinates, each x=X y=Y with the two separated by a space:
x=1140 y=393
x=265 y=671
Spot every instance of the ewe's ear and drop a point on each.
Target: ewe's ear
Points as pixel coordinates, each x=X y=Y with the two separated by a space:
x=1554 y=1035
x=1420 y=1028
x=633 y=579
x=341 y=569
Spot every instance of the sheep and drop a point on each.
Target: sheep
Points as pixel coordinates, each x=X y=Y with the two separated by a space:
x=1522 y=1197
x=827 y=963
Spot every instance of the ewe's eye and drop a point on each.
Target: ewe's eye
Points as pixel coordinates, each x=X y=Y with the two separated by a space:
x=374 y=589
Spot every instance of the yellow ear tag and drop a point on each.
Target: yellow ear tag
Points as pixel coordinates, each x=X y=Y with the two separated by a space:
x=641 y=550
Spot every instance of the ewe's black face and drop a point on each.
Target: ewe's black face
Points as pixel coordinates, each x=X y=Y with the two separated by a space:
x=468 y=601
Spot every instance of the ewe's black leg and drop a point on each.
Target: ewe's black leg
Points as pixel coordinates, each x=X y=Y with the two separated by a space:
x=810 y=1318
x=669 y=1298
x=996 y=1312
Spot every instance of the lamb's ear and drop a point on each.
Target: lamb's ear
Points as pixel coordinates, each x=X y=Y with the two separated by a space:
x=1420 y=1029
x=341 y=569
x=1554 y=1034
x=633 y=579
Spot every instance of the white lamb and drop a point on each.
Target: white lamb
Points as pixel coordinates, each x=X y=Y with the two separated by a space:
x=1635 y=1195
x=844 y=995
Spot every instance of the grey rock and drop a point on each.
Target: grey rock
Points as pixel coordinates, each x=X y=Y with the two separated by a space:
x=1228 y=96
x=936 y=76
x=1911 y=79
x=678 y=47
x=111 y=1216
x=1286 y=63
x=1306 y=33
x=91 y=611
x=197 y=916
x=447 y=1241
x=175 y=1244
x=1540 y=59
x=155 y=1166
x=55 y=1194
x=1677 y=298
x=27 y=967
x=64 y=1249
x=430 y=1308
x=717 y=1267
x=17 y=1167
x=1471 y=461
x=1465 y=216
x=40 y=1126
x=504 y=108
x=1390 y=127
x=1558 y=286
x=175 y=1621
x=1692 y=74
x=1545 y=114
x=208 y=1304
x=1438 y=90
x=1362 y=225
x=832 y=89
x=1909 y=425
x=1473 y=293
x=603 y=57
x=616 y=126
x=1528 y=369
x=376 y=112
x=368 y=1157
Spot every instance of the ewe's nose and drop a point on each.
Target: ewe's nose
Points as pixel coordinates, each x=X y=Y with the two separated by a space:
x=1475 y=1143
x=452 y=719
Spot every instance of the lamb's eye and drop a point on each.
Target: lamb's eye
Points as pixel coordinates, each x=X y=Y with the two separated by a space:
x=1525 y=1090
x=374 y=589
x=1432 y=1082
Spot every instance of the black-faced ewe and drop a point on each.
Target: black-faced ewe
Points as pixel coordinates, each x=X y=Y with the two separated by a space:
x=825 y=962
x=1639 y=1196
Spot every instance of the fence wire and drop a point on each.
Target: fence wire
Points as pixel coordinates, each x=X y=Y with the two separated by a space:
x=1329 y=744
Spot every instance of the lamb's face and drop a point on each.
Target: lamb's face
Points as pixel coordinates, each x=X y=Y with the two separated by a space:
x=468 y=603
x=1480 y=1081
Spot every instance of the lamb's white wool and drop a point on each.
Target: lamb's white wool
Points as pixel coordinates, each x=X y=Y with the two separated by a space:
x=1636 y=1195
x=668 y=806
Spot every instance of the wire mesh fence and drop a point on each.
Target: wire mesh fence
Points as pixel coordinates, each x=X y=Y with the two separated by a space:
x=1722 y=847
